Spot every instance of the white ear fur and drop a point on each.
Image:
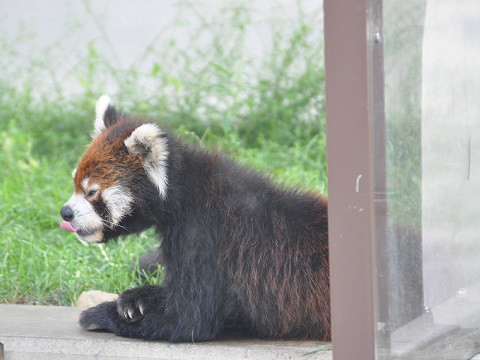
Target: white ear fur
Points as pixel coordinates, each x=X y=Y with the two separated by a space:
x=119 y=200
x=146 y=140
x=100 y=109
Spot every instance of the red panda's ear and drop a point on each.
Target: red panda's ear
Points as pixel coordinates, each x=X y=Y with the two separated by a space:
x=149 y=143
x=105 y=115
x=145 y=139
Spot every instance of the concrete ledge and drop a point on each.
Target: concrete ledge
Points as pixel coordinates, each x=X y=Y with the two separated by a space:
x=52 y=332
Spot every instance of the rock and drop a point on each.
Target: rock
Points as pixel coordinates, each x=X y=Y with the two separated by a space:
x=94 y=297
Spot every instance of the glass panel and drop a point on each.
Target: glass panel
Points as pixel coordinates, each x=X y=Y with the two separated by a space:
x=428 y=255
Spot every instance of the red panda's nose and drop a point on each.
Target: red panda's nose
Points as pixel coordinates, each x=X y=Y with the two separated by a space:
x=67 y=213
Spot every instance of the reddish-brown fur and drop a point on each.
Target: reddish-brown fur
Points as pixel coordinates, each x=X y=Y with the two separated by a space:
x=104 y=162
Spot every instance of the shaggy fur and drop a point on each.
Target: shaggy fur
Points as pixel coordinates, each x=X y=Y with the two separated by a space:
x=237 y=249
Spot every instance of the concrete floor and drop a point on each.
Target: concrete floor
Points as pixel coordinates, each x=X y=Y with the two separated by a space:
x=52 y=332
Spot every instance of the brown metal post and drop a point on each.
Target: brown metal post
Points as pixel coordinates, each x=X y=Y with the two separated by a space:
x=348 y=42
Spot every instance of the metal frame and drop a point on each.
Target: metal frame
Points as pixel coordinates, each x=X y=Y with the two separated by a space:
x=351 y=42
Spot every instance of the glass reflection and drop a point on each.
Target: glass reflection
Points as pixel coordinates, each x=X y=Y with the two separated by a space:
x=429 y=256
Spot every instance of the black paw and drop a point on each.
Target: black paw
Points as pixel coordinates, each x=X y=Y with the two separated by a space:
x=132 y=304
x=99 y=317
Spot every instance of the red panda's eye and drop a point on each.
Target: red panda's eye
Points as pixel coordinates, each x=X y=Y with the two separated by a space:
x=91 y=193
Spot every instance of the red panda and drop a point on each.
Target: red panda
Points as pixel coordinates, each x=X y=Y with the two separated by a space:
x=237 y=249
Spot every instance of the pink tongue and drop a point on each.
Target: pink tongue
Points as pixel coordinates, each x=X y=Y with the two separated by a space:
x=65 y=225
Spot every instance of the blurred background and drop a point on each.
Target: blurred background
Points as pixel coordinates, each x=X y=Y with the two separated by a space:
x=243 y=77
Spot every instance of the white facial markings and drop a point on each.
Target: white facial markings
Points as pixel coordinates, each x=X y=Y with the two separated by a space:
x=87 y=188
x=89 y=224
x=85 y=183
x=100 y=109
x=146 y=140
x=94 y=187
x=74 y=172
x=96 y=237
x=119 y=202
x=85 y=218
x=91 y=191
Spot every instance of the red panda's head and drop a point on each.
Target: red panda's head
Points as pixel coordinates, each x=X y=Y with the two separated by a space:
x=123 y=169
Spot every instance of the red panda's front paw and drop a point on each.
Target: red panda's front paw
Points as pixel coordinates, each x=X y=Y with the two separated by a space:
x=99 y=317
x=129 y=308
x=132 y=304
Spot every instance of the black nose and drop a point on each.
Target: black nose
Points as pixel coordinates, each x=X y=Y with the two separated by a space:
x=66 y=213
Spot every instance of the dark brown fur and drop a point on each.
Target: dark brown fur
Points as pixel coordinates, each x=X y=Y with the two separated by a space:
x=237 y=249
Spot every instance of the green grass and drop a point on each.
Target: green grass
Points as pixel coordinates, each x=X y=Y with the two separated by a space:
x=269 y=116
